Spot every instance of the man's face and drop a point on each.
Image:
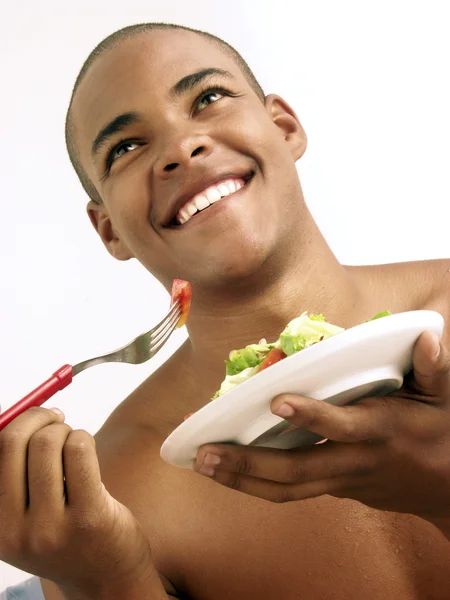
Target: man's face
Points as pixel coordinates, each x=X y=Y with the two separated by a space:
x=183 y=140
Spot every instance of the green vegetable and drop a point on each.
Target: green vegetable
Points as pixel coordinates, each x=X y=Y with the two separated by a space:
x=384 y=313
x=317 y=317
x=250 y=356
x=305 y=331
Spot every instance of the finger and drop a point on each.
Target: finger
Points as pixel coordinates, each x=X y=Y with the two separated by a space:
x=45 y=468
x=81 y=469
x=431 y=366
x=356 y=423
x=287 y=466
x=274 y=491
x=14 y=440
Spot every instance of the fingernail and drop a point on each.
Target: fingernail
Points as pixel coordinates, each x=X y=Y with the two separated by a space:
x=211 y=460
x=436 y=344
x=207 y=471
x=56 y=410
x=285 y=410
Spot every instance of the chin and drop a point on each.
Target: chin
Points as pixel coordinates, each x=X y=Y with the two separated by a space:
x=249 y=250
x=241 y=267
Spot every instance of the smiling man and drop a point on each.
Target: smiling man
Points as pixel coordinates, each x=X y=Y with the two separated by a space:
x=191 y=170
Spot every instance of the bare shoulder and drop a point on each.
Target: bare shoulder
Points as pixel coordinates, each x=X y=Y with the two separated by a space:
x=415 y=285
x=157 y=402
x=439 y=275
x=439 y=298
x=412 y=285
x=128 y=444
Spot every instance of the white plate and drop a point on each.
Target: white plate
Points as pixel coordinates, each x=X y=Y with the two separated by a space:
x=369 y=359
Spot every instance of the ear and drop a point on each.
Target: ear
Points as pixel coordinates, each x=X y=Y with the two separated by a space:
x=101 y=221
x=287 y=121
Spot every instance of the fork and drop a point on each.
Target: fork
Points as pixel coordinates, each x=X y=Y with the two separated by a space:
x=136 y=352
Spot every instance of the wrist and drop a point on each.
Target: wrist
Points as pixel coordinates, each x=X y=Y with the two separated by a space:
x=143 y=583
x=150 y=588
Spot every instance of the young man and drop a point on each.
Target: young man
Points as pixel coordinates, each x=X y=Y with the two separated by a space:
x=158 y=116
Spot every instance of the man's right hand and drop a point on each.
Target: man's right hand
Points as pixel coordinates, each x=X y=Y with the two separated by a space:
x=57 y=519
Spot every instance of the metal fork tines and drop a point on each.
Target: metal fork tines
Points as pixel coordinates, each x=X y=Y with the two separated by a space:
x=143 y=347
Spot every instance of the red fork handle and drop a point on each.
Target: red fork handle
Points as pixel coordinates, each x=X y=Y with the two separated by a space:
x=58 y=381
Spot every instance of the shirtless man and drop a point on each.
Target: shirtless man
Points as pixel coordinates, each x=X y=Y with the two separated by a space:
x=158 y=116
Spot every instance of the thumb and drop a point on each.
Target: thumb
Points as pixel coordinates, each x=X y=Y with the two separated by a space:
x=431 y=365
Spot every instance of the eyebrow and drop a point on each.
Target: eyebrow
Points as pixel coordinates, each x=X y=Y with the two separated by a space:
x=185 y=84
x=189 y=82
x=115 y=126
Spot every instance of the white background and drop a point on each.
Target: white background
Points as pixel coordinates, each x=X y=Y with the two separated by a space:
x=370 y=83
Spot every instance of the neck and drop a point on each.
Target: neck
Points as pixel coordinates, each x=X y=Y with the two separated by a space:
x=311 y=279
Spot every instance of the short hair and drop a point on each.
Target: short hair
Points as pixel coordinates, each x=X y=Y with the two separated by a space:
x=110 y=42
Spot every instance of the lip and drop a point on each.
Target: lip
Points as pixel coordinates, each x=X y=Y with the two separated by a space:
x=212 y=210
x=200 y=184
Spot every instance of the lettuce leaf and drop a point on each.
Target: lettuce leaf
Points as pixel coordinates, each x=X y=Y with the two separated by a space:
x=304 y=331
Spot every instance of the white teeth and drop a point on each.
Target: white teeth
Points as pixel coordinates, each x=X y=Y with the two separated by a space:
x=223 y=189
x=184 y=213
x=209 y=196
x=191 y=208
x=231 y=186
x=213 y=195
x=201 y=201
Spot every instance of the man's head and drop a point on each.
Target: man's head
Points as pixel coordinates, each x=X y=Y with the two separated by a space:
x=114 y=39
x=162 y=113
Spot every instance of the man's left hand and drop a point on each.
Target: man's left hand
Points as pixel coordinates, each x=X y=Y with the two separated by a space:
x=390 y=453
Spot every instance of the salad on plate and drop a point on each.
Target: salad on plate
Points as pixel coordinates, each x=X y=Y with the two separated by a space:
x=300 y=333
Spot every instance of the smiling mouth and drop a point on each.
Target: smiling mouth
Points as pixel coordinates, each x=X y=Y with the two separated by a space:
x=209 y=196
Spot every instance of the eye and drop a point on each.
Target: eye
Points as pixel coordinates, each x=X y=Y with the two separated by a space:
x=118 y=150
x=209 y=97
x=121 y=149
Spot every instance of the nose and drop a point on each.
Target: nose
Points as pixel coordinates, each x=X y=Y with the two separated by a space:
x=180 y=152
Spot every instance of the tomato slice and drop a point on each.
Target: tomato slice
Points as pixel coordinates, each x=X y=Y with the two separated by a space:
x=182 y=290
x=273 y=356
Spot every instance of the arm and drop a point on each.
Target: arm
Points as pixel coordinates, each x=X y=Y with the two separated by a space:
x=60 y=522
x=119 y=446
